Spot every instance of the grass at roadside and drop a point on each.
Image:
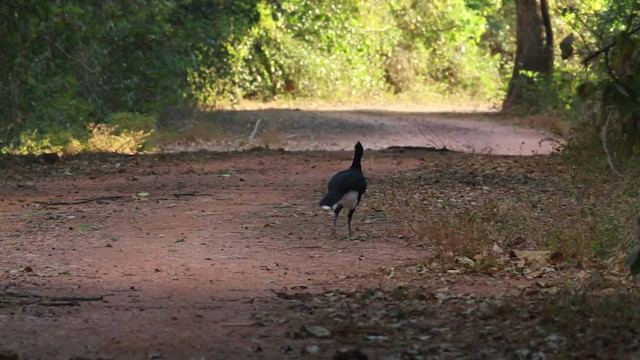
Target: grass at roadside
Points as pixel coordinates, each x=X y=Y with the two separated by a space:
x=471 y=206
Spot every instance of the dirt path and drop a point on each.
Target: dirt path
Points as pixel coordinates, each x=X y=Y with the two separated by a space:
x=379 y=128
x=187 y=271
x=196 y=256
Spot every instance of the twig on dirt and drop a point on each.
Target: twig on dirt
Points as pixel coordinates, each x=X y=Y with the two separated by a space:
x=80 y=201
x=76 y=298
x=30 y=299
x=634 y=235
x=416 y=148
x=187 y=193
x=556 y=141
x=59 y=303
x=429 y=139
x=603 y=134
x=241 y=324
x=184 y=194
x=255 y=129
x=293 y=296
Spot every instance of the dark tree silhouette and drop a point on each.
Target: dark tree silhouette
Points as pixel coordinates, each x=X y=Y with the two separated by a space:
x=534 y=49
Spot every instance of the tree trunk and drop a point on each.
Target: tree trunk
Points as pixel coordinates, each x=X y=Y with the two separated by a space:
x=534 y=50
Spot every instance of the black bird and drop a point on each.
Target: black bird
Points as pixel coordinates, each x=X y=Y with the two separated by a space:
x=346 y=189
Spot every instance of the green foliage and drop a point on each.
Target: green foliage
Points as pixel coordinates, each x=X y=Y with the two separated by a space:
x=31 y=143
x=304 y=49
x=65 y=65
x=552 y=96
x=125 y=133
x=131 y=122
x=352 y=49
x=444 y=37
x=609 y=33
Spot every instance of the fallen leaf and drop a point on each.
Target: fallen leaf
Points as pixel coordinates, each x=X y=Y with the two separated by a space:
x=315 y=330
x=26 y=269
x=312 y=349
x=556 y=257
x=537 y=274
x=83 y=227
x=465 y=260
x=515 y=242
x=539 y=257
x=377 y=337
x=443 y=297
x=291 y=351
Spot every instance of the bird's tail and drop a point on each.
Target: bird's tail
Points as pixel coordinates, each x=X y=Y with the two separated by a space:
x=331 y=198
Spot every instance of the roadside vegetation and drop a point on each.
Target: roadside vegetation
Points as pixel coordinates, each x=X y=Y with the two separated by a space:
x=69 y=69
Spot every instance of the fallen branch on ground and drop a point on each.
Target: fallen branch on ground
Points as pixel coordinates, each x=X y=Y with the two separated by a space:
x=416 y=148
x=31 y=299
x=80 y=201
x=255 y=130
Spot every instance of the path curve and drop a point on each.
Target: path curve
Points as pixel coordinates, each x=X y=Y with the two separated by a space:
x=378 y=128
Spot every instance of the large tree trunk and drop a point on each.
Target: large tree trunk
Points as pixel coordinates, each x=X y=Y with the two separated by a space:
x=534 y=49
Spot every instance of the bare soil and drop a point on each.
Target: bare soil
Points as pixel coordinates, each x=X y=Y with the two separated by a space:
x=335 y=128
x=206 y=255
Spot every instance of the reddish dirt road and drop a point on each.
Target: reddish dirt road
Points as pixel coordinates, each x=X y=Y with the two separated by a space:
x=335 y=129
x=187 y=271
x=185 y=256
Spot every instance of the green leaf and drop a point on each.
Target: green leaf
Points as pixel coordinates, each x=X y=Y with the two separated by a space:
x=84 y=227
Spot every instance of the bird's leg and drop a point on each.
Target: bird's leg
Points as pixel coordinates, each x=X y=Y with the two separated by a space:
x=349 y=221
x=336 y=211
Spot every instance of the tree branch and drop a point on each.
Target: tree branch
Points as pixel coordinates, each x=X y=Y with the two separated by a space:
x=603 y=134
x=588 y=59
x=81 y=201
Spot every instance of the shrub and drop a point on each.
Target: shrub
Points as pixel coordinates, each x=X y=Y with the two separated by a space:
x=125 y=133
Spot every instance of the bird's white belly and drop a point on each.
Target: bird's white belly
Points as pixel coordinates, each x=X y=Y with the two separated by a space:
x=349 y=200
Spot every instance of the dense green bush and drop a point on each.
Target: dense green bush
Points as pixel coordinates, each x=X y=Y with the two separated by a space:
x=305 y=49
x=352 y=49
x=445 y=38
x=607 y=41
x=65 y=65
